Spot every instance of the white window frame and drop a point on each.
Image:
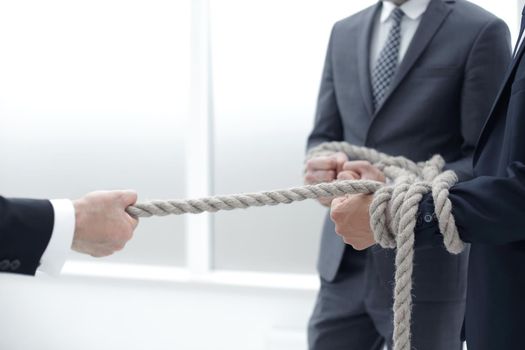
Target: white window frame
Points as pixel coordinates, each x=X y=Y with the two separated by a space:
x=199 y=183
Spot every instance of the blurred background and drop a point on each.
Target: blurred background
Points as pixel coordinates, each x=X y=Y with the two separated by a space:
x=175 y=99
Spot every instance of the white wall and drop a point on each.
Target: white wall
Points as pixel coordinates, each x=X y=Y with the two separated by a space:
x=94 y=95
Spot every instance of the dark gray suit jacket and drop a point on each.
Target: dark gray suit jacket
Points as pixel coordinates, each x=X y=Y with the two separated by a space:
x=489 y=214
x=438 y=102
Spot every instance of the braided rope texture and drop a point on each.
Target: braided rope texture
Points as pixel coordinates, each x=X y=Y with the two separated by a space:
x=393 y=212
x=246 y=200
x=393 y=217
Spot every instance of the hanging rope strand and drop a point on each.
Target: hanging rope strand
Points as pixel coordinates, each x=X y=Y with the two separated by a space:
x=393 y=212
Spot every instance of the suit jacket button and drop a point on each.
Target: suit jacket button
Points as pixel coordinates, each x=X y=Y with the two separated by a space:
x=428 y=218
x=15 y=265
x=4 y=265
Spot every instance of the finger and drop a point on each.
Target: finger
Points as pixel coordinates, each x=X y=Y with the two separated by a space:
x=348 y=175
x=134 y=222
x=321 y=163
x=127 y=197
x=101 y=252
x=359 y=245
x=337 y=202
x=340 y=159
x=320 y=176
x=326 y=201
x=365 y=170
x=357 y=165
x=353 y=241
x=337 y=212
x=118 y=246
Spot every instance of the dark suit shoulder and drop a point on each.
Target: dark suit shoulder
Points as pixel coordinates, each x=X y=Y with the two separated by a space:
x=468 y=22
x=472 y=14
x=355 y=21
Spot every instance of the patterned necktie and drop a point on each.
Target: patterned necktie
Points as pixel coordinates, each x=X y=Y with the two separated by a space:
x=387 y=62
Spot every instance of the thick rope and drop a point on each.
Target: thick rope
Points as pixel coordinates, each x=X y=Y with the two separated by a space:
x=393 y=217
x=393 y=212
x=246 y=200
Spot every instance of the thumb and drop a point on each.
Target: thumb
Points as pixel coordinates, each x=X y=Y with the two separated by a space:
x=128 y=197
x=337 y=202
x=348 y=175
x=340 y=159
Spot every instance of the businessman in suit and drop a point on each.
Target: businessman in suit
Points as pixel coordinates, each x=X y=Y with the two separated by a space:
x=411 y=78
x=37 y=233
x=489 y=212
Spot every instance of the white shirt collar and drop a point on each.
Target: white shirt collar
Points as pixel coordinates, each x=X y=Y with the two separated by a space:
x=413 y=9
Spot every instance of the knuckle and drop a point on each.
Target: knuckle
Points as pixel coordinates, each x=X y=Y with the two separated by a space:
x=99 y=254
x=341 y=157
x=309 y=164
x=119 y=246
x=335 y=215
x=315 y=163
x=309 y=177
x=125 y=236
x=345 y=175
x=129 y=234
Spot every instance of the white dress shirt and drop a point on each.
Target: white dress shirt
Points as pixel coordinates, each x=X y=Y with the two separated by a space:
x=520 y=42
x=59 y=245
x=413 y=10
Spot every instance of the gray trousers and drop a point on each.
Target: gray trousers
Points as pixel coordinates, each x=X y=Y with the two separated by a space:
x=354 y=312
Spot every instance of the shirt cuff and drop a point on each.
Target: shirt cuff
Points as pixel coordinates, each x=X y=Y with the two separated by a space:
x=59 y=245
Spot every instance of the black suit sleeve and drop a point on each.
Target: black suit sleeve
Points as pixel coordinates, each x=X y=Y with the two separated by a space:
x=482 y=216
x=26 y=226
x=485 y=68
x=327 y=125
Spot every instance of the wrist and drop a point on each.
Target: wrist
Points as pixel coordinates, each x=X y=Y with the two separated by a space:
x=80 y=217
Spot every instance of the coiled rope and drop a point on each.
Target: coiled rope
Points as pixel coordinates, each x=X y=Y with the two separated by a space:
x=393 y=212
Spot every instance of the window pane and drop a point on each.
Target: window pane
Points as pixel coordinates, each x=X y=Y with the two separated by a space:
x=92 y=96
x=267 y=63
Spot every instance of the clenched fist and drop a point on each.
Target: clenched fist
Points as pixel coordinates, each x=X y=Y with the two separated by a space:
x=352 y=220
x=324 y=169
x=102 y=225
x=351 y=213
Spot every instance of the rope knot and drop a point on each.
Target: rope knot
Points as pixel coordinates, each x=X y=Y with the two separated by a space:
x=393 y=211
x=393 y=217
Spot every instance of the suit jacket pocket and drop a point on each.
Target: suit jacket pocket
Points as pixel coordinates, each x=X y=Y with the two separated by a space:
x=428 y=72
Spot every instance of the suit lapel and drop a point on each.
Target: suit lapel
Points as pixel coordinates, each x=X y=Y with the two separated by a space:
x=363 y=62
x=431 y=21
x=507 y=82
